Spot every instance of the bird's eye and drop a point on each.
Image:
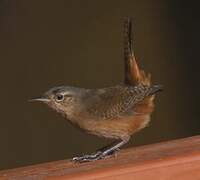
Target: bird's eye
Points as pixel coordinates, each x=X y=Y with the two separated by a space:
x=59 y=97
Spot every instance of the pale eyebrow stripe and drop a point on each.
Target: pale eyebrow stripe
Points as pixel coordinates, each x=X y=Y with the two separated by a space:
x=66 y=94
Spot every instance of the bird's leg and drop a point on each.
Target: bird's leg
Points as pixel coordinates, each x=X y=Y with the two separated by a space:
x=113 y=149
x=101 y=154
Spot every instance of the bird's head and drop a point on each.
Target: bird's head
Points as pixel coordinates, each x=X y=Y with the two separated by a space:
x=64 y=99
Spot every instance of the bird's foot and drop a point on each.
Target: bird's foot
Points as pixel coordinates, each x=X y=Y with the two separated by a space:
x=88 y=157
x=95 y=156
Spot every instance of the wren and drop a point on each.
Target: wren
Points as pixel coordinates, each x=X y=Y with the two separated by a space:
x=115 y=112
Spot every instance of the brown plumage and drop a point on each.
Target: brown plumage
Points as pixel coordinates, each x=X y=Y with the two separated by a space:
x=114 y=112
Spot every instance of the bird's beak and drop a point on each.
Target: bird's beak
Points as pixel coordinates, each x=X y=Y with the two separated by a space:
x=41 y=99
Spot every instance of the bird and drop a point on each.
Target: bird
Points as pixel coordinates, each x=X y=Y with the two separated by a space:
x=115 y=112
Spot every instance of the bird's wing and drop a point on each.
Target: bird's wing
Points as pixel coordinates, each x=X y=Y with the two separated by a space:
x=112 y=102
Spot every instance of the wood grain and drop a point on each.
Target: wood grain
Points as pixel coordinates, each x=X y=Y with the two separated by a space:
x=176 y=159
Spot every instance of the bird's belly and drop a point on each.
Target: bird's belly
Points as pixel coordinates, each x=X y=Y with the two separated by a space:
x=116 y=128
x=123 y=126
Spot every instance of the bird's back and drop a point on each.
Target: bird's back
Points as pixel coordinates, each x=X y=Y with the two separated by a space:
x=113 y=102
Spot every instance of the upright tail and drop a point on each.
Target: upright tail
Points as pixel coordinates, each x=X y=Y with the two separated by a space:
x=133 y=74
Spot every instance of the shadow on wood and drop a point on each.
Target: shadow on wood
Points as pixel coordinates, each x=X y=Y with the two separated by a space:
x=177 y=159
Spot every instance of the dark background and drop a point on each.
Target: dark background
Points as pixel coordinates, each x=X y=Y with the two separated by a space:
x=49 y=43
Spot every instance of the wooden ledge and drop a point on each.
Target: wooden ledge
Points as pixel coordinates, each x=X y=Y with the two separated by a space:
x=177 y=159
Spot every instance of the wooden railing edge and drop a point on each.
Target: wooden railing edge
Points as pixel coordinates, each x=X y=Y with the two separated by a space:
x=177 y=158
